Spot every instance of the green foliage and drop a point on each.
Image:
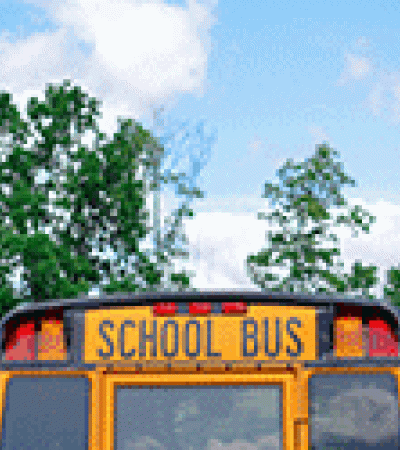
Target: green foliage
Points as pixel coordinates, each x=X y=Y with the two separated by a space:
x=99 y=191
x=392 y=288
x=362 y=279
x=304 y=199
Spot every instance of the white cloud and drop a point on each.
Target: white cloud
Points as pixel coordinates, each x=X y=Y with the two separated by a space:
x=384 y=97
x=376 y=247
x=219 y=243
x=357 y=67
x=141 y=53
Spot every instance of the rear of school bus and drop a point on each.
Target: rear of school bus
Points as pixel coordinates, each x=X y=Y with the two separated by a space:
x=201 y=371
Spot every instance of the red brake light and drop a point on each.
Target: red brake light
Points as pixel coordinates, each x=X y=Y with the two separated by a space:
x=234 y=307
x=163 y=308
x=199 y=308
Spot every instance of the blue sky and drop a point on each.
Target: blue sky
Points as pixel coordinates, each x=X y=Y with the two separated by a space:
x=273 y=78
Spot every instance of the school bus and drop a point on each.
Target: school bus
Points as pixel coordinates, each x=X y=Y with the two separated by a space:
x=202 y=370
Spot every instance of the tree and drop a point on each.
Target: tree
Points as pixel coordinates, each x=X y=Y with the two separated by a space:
x=98 y=196
x=362 y=279
x=305 y=198
x=392 y=289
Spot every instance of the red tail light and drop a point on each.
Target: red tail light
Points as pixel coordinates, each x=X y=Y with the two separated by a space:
x=199 y=308
x=164 y=308
x=234 y=307
x=381 y=339
x=20 y=345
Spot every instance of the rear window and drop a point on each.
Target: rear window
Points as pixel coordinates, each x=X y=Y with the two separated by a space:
x=46 y=413
x=198 y=417
x=354 y=412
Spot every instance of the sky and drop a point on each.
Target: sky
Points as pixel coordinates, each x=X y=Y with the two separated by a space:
x=273 y=78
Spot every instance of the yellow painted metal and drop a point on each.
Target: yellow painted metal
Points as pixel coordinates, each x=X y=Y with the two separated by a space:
x=116 y=335
x=285 y=380
x=103 y=381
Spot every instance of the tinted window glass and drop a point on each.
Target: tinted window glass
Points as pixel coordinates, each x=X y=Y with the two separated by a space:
x=177 y=418
x=354 y=412
x=46 y=413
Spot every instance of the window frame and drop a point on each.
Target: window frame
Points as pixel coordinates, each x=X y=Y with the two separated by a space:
x=284 y=380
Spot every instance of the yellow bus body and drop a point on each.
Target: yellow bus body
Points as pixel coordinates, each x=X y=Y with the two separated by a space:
x=122 y=347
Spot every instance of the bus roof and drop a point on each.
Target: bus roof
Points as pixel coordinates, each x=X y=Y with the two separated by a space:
x=149 y=297
x=328 y=308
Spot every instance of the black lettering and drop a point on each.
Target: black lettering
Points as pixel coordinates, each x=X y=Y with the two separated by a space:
x=300 y=346
x=106 y=338
x=164 y=338
x=124 y=324
x=209 y=340
x=144 y=338
x=187 y=338
x=246 y=336
x=269 y=353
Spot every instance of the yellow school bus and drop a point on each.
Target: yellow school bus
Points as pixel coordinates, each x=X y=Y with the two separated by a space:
x=203 y=370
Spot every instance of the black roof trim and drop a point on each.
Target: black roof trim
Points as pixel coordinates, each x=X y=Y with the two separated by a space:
x=205 y=295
